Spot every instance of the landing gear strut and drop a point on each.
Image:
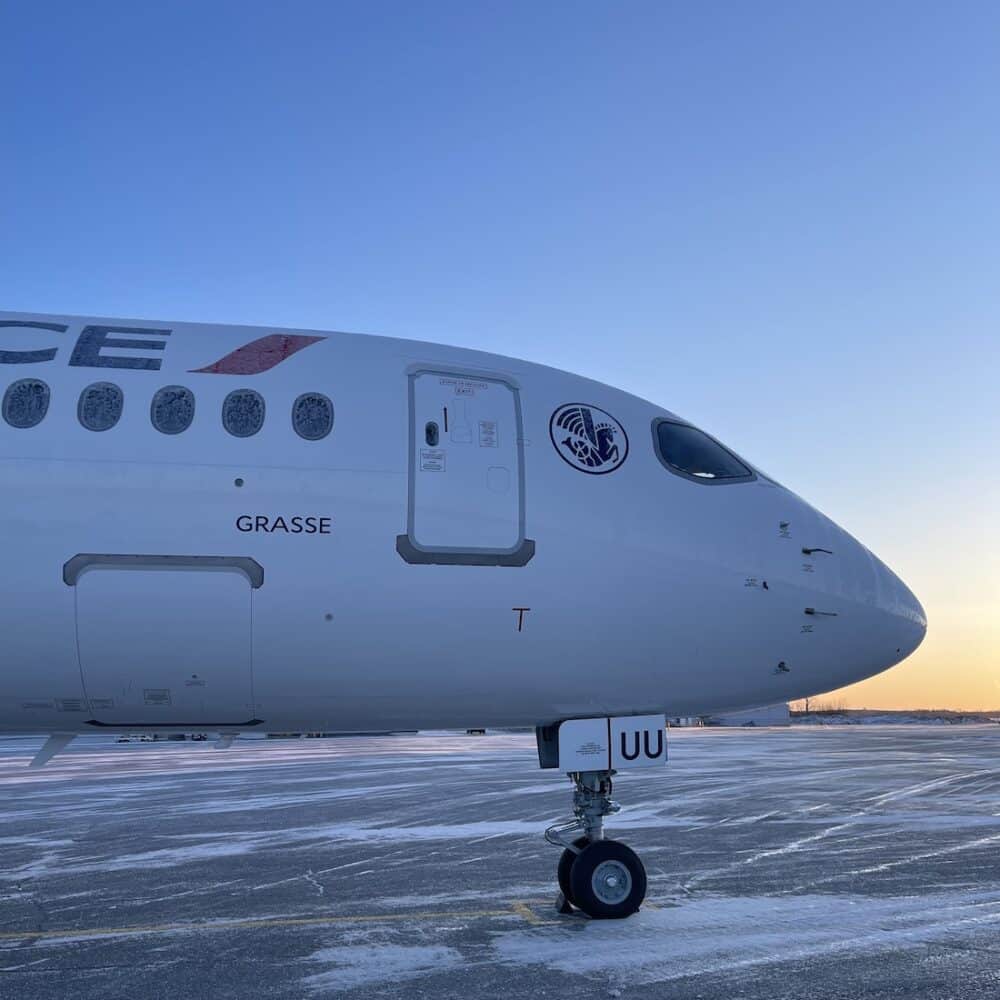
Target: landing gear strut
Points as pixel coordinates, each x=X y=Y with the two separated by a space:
x=604 y=878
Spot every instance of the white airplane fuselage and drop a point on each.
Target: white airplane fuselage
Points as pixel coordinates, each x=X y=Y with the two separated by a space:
x=517 y=563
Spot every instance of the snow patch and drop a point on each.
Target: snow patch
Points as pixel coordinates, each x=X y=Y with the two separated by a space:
x=365 y=965
x=718 y=934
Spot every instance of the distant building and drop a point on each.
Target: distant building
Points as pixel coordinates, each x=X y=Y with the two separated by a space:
x=768 y=715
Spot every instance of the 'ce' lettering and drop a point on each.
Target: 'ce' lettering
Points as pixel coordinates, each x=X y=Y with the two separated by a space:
x=88 y=352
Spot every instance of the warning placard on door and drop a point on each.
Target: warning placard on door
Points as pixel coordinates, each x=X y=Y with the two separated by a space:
x=583 y=745
x=488 y=434
x=432 y=460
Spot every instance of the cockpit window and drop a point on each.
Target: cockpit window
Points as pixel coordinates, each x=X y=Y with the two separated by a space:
x=691 y=453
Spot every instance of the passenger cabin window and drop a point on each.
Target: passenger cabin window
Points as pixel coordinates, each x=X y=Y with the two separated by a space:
x=25 y=403
x=691 y=453
x=243 y=412
x=172 y=409
x=312 y=416
x=100 y=406
x=431 y=434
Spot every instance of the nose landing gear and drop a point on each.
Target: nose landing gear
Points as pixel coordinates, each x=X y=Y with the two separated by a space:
x=603 y=878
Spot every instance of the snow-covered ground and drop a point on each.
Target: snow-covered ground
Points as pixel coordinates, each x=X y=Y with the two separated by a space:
x=874 y=717
x=790 y=863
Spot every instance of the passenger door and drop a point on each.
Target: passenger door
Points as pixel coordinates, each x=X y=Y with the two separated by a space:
x=466 y=472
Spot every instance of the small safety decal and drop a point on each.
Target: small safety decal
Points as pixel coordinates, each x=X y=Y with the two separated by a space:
x=488 y=434
x=432 y=460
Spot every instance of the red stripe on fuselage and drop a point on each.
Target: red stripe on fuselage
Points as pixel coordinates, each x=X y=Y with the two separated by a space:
x=259 y=355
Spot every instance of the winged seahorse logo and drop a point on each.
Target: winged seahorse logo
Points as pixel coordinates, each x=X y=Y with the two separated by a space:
x=588 y=438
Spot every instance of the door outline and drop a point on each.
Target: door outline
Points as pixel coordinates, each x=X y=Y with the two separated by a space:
x=252 y=570
x=407 y=546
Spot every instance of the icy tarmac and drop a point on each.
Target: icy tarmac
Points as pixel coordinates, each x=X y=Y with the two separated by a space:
x=803 y=863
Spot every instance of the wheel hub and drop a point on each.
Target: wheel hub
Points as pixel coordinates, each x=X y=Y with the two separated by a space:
x=612 y=882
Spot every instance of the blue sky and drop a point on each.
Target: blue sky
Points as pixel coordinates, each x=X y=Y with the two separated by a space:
x=778 y=219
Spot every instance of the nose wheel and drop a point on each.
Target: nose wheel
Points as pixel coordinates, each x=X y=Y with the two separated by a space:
x=608 y=880
x=603 y=878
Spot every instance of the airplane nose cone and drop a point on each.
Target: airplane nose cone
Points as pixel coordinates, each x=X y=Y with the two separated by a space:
x=906 y=614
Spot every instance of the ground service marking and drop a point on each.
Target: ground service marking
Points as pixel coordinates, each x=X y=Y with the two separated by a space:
x=518 y=908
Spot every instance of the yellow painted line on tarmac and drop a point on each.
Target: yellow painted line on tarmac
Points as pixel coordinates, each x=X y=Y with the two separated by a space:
x=519 y=908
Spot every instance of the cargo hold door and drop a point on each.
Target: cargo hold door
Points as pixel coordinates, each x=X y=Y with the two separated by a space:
x=466 y=472
x=165 y=640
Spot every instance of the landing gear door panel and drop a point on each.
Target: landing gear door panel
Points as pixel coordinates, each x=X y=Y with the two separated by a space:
x=613 y=744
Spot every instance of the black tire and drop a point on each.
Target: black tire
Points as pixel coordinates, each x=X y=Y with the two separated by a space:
x=566 y=866
x=608 y=880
